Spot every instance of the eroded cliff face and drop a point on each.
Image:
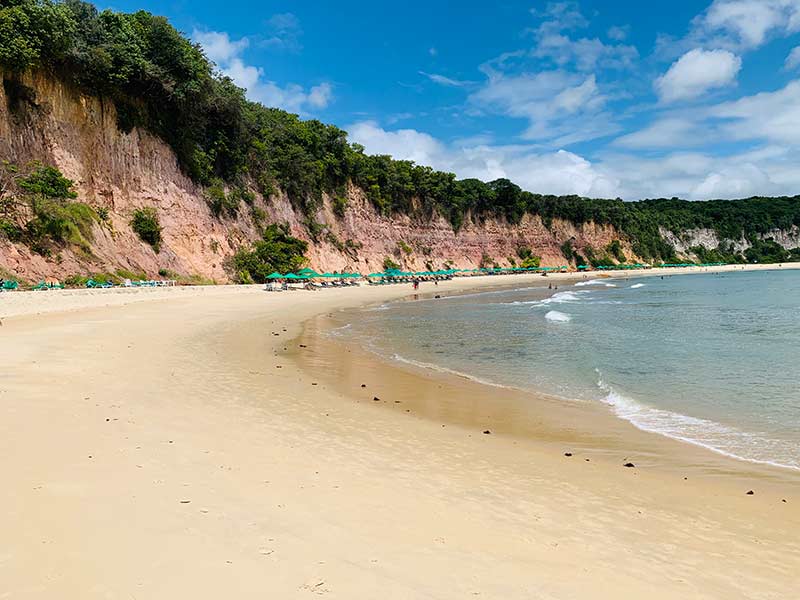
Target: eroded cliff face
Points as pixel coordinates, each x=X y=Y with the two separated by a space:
x=119 y=172
x=708 y=237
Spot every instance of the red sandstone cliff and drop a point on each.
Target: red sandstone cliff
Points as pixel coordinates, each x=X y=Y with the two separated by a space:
x=121 y=172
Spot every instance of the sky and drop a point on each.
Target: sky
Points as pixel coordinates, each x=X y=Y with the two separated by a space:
x=629 y=99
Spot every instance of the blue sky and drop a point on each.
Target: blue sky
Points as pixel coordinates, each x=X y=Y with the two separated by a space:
x=629 y=99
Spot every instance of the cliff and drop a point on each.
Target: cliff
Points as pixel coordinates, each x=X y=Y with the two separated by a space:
x=44 y=119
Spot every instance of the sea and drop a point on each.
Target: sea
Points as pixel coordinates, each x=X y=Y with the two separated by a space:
x=711 y=359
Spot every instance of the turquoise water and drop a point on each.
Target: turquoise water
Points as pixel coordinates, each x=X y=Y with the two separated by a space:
x=710 y=359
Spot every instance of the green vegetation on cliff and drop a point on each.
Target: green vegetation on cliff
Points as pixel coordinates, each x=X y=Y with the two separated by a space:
x=161 y=81
x=276 y=251
x=37 y=208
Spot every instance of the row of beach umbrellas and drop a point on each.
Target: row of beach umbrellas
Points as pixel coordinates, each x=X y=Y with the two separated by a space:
x=308 y=273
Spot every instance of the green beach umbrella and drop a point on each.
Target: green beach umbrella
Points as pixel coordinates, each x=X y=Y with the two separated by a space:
x=275 y=275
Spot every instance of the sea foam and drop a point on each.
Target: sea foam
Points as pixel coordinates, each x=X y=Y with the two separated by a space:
x=595 y=282
x=708 y=434
x=557 y=317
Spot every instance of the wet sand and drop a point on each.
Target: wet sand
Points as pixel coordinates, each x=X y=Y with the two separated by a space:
x=185 y=445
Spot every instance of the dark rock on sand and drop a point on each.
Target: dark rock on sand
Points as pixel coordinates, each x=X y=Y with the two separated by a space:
x=376 y=399
x=750 y=493
x=567 y=453
x=487 y=432
x=629 y=465
x=363 y=385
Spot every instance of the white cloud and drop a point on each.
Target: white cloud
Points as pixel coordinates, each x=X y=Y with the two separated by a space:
x=557 y=104
x=446 y=81
x=559 y=172
x=284 y=32
x=697 y=176
x=402 y=144
x=586 y=54
x=618 y=33
x=218 y=46
x=227 y=54
x=667 y=132
x=793 y=59
x=769 y=116
x=763 y=118
x=748 y=23
x=771 y=169
x=697 y=72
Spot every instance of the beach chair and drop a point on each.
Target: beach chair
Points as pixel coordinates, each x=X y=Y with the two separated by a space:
x=9 y=285
x=41 y=287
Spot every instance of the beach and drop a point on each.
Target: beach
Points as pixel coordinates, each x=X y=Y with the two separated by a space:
x=212 y=442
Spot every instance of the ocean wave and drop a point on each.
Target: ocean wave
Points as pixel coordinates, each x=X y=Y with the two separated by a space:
x=338 y=331
x=565 y=297
x=557 y=298
x=440 y=369
x=637 y=285
x=557 y=317
x=385 y=306
x=713 y=436
x=595 y=282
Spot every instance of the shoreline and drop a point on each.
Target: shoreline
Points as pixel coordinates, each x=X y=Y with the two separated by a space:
x=323 y=333
x=179 y=431
x=556 y=423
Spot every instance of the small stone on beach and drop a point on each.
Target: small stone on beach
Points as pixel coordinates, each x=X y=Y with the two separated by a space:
x=363 y=385
x=750 y=493
x=630 y=465
x=567 y=453
x=376 y=399
x=487 y=432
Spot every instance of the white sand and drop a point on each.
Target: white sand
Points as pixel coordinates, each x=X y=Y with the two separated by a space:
x=154 y=449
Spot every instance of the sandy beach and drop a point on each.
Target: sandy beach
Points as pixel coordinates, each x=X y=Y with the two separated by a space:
x=210 y=442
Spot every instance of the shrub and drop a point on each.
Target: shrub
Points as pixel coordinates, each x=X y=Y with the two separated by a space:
x=389 y=264
x=276 y=251
x=339 y=204
x=60 y=222
x=145 y=224
x=614 y=248
x=10 y=230
x=221 y=203
x=405 y=248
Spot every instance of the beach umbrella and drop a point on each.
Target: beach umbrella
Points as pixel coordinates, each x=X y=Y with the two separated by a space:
x=275 y=275
x=292 y=276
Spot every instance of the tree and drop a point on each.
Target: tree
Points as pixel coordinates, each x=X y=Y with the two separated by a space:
x=276 y=251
